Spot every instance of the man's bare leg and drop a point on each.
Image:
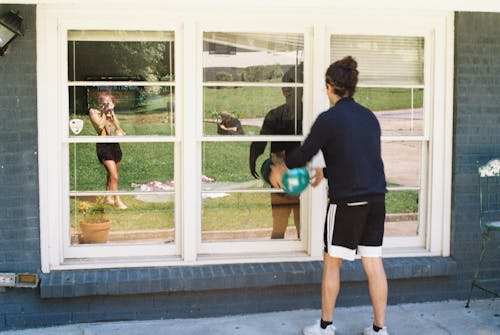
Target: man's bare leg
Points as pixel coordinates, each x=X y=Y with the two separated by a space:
x=377 y=286
x=330 y=286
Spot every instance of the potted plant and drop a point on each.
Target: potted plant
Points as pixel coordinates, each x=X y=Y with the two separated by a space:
x=95 y=225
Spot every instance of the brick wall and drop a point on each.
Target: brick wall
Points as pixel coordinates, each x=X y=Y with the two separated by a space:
x=476 y=132
x=19 y=233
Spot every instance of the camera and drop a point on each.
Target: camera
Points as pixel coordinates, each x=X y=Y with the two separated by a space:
x=104 y=105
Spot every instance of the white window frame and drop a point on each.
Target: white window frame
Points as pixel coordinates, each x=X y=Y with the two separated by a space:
x=55 y=232
x=189 y=21
x=436 y=141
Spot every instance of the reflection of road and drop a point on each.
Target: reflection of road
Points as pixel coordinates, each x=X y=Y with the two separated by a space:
x=401 y=114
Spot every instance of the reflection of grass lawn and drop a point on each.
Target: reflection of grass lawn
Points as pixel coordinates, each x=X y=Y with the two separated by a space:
x=382 y=99
x=255 y=102
x=238 y=211
x=402 y=202
x=140 y=215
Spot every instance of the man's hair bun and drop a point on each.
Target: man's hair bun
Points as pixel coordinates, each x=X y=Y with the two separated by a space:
x=343 y=75
x=349 y=63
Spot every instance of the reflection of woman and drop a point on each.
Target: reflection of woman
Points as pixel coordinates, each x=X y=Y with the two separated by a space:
x=106 y=124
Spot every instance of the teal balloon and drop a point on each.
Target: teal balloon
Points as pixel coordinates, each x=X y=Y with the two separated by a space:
x=295 y=180
x=265 y=170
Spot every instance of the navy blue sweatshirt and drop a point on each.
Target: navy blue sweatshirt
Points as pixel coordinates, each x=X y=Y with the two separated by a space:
x=348 y=134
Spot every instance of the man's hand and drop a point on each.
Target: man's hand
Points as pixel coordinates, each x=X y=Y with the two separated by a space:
x=317 y=178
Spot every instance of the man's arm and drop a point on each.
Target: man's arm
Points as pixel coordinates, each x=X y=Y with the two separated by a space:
x=316 y=139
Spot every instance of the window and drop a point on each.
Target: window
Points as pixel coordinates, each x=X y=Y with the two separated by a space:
x=121 y=157
x=194 y=95
x=391 y=83
x=254 y=90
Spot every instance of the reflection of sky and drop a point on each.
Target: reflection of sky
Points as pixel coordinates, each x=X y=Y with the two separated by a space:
x=245 y=59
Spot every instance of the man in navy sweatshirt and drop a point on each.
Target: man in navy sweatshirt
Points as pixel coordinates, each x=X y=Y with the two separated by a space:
x=348 y=135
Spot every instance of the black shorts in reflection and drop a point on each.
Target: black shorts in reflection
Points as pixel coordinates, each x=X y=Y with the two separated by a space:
x=108 y=152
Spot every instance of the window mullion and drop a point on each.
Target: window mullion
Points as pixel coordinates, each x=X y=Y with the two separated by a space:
x=190 y=155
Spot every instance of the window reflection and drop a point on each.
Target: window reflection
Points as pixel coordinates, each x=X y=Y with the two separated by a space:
x=148 y=219
x=250 y=57
x=142 y=110
x=141 y=163
x=121 y=55
x=402 y=161
x=402 y=217
x=248 y=216
x=399 y=110
x=246 y=75
x=121 y=84
x=255 y=82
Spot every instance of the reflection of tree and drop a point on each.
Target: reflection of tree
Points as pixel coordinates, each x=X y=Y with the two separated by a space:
x=146 y=59
x=261 y=73
x=149 y=60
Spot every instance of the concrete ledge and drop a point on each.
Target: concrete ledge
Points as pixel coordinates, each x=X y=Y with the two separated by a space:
x=78 y=283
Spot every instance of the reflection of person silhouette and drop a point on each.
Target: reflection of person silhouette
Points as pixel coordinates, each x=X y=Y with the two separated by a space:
x=229 y=125
x=106 y=124
x=282 y=120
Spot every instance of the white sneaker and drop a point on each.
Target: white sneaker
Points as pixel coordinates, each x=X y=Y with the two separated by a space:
x=315 y=329
x=370 y=331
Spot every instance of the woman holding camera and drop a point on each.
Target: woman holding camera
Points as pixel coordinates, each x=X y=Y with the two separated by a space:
x=106 y=124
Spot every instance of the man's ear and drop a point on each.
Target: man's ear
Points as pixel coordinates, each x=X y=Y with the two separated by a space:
x=329 y=87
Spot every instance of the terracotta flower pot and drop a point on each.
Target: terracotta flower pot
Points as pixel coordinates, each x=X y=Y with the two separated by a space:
x=96 y=232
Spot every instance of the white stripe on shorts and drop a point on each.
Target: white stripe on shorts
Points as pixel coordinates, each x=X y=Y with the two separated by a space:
x=336 y=250
x=359 y=203
x=330 y=224
x=341 y=252
x=366 y=251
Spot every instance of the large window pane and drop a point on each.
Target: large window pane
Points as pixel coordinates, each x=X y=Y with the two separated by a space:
x=120 y=55
x=250 y=106
x=267 y=72
x=148 y=219
x=255 y=214
x=140 y=110
x=399 y=110
x=253 y=85
x=249 y=216
x=388 y=60
x=250 y=57
x=225 y=164
x=402 y=161
x=141 y=164
x=402 y=218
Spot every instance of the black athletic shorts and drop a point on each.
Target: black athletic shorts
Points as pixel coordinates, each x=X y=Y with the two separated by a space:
x=108 y=152
x=354 y=227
